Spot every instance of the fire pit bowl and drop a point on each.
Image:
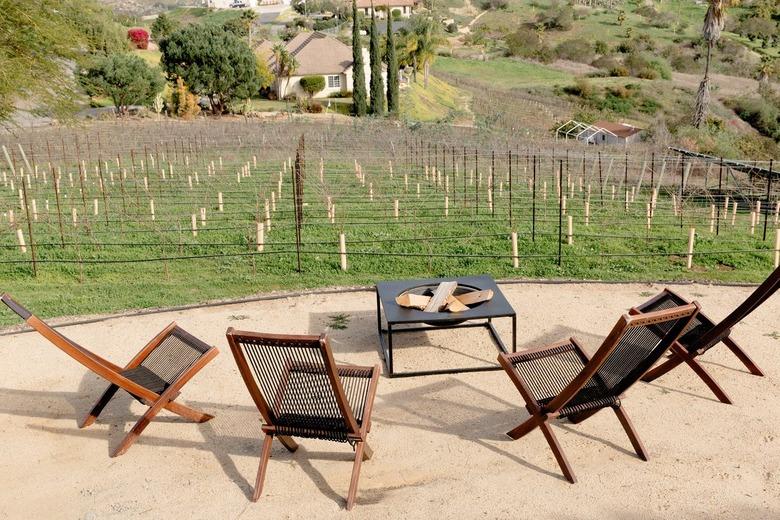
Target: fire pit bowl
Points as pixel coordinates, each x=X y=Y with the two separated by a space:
x=428 y=289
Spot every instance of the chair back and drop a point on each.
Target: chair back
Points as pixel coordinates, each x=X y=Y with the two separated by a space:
x=295 y=384
x=633 y=346
x=762 y=293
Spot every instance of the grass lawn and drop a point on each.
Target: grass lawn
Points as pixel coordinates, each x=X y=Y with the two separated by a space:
x=438 y=102
x=151 y=57
x=504 y=73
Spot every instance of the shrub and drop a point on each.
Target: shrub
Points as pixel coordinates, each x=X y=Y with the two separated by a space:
x=213 y=62
x=494 y=4
x=560 y=17
x=125 y=78
x=183 y=103
x=581 y=88
x=316 y=108
x=452 y=28
x=647 y=73
x=330 y=23
x=762 y=114
x=606 y=63
x=163 y=26
x=619 y=71
x=577 y=49
x=600 y=47
x=662 y=68
x=138 y=37
x=312 y=85
x=526 y=43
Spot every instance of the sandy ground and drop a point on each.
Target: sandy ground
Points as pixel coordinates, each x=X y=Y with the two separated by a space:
x=440 y=449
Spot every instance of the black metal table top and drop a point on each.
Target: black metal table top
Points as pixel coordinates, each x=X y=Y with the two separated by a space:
x=497 y=307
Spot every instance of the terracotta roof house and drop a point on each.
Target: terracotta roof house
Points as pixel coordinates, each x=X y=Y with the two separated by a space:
x=317 y=55
x=600 y=132
x=404 y=7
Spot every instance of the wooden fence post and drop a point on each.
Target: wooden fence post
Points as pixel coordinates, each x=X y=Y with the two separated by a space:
x=777 y=248
x=691 y=238
x=343 y=251
x=194 y=225
x=515 y=259
x=151 y=208
x=570 y=234
x=220 y=202
x=20 y=238
x=260 y=237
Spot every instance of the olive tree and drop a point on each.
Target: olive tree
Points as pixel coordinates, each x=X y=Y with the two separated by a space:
x=212 y=62
x=125 y=78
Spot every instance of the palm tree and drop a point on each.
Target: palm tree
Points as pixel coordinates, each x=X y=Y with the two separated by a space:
x=285 y=65
x=714 y=21
x=421 y=45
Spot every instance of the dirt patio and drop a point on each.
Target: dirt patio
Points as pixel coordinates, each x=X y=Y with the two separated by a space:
x=439 y=442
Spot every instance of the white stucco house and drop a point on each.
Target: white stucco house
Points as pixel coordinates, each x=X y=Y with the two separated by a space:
x=404 y=7
x=227 y=4
x=318 y=54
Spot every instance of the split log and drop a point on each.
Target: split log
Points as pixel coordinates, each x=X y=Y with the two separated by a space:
x=440 y=295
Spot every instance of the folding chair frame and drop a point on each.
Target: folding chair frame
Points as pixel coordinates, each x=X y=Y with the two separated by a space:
x=113 y=374
x=540 y=414
x=357 y=434
x=720 y=332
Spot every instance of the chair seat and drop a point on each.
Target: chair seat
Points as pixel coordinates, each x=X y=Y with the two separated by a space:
x=548 y=371
x=146 y=378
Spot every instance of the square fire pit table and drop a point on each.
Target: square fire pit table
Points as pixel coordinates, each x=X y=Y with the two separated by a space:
x=395 y=316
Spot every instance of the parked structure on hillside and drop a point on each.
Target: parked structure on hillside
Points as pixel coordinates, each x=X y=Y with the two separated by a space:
x=600 y=132
x=404 y=8
x=241 y=4
x=317 y=54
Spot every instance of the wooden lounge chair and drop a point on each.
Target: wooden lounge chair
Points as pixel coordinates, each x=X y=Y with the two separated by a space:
x=561 y=380
x=301 y=392
x=704 y=334
x=155 y=376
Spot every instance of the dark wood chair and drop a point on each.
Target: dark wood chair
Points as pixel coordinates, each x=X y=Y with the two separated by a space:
x=703 y=334
x=300 y=391
x=561 y=380
x=155 y=376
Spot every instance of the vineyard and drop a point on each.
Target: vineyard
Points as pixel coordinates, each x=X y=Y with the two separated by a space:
x=117 y=216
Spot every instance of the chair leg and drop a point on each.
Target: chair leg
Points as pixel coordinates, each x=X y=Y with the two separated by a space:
x=704 y=376
x=668 y=365
x=552 y=440
x=367 y=452
x=101 y=403
x=524 y=428
x=742 y=355
x=353 y=485
x=636 y=442
x=187 y=412
x=264 y=456
x=136 y=430
x=288 y=442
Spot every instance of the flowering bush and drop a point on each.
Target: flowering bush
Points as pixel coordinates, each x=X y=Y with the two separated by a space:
x=139 y=36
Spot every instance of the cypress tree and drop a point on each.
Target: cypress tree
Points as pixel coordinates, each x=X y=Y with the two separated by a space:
x=392 y=68
x=358 y=74
x=377 y=92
